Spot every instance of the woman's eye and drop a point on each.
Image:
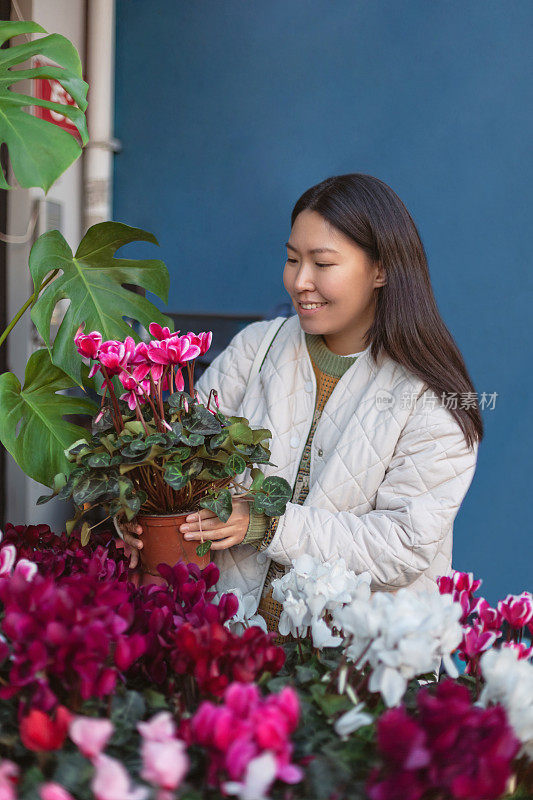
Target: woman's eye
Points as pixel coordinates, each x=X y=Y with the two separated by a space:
x=323 y=265
x=291 y=260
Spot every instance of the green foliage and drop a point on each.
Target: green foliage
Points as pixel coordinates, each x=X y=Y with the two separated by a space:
x=93 y=280
x=39 y=150
x=220 y=504
x=198 y=458
x=273 y=496
x=32 y=424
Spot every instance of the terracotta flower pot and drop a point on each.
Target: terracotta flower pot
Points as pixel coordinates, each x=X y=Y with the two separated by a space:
x=163 y=543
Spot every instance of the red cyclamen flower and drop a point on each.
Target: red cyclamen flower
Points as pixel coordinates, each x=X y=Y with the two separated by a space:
x=40 y=732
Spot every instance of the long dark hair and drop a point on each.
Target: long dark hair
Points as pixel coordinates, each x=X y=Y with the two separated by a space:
x=407 y=324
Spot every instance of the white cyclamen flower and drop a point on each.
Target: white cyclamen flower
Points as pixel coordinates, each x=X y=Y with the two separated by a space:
x=260 y=775
x=352 y=720
x=509 y=682
x=245 y=616
x=400 y=636
x=312 y=588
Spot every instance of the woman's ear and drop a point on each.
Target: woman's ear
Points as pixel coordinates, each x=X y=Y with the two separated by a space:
x=381 y=277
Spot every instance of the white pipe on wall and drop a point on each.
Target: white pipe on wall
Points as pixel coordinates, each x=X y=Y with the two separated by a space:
x=98 y=155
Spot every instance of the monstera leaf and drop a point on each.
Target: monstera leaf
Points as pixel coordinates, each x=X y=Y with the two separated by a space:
x=40 y=151
x=32 y=427
x=94 y=281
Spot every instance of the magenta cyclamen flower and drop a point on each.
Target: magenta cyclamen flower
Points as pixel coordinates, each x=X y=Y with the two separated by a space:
x=452 y=749
x=475 y=641
x=174 y=351
x=56 y=649
x=465 y=582
x=160 y=333
x=114 y=356
x=202 y=340
x=517 y=610
x=89 y=344
x=461 y=585
x=521 y=649
x=490 y=618
x=243 y=728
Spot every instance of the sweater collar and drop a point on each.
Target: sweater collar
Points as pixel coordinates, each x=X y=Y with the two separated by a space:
x=328 y=362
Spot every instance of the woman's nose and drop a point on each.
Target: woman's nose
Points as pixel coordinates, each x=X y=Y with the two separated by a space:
x=304 y=279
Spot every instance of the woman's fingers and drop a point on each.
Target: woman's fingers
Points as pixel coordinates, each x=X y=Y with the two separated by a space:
x=132 y=541
x=211 y=535
x=133 y=554
x=132 y=527
x=223 y=544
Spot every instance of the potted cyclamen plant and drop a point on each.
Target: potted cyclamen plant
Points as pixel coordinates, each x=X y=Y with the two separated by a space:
x=156 y=452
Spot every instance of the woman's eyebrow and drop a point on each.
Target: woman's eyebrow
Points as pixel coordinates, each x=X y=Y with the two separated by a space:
x=315 y=249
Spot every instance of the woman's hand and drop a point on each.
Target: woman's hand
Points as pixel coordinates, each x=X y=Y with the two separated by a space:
x=130 y=531
x=221 y=534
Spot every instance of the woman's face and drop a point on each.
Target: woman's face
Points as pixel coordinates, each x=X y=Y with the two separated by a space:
x=329 y=272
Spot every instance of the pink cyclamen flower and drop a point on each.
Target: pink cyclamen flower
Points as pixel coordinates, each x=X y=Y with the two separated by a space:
x=202 y=340
x=112 y=782
x=174 y=351
x=475 y=641
x=490 y=618
x=522 y=651
x=88 y=345
x=136 y=395
x=165 y=764
x=90 y=735
x=114 y=356
x=139 y=364
x=160 y=333
x=160 y=728
x=54 y=791
x=9 y=775
x=8 y=556
x=464 y=582
x=517 y=610
x=26 y=568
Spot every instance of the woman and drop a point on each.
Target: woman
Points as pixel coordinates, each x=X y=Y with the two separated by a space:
x=374 y=418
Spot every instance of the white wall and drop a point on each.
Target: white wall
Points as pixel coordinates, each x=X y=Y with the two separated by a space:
x=68 y=18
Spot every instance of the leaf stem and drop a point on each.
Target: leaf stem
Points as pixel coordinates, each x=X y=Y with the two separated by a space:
x=29 y=302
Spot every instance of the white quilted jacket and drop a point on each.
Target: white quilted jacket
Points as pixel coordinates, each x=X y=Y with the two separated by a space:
x=386 y=479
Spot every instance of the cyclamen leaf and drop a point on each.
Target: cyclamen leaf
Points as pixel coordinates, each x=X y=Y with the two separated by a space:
x=193 y=439
x=203 y=548
x=257 y=478
x=93 y=280
x=174 y=476
x=235 y=465
x=99 y=460
x=241 y=433
x=200 y=420
x=274 y=495
x=85 y=534
x=221 y=504
x=260 y=435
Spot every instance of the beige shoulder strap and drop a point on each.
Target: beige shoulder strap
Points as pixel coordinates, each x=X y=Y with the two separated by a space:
x=271 y=333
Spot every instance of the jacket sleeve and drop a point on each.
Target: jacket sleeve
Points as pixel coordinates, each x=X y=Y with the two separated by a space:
x=229 y=372
x=422 y=490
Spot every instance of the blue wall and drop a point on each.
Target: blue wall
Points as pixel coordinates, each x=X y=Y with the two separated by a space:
x=228 y=111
